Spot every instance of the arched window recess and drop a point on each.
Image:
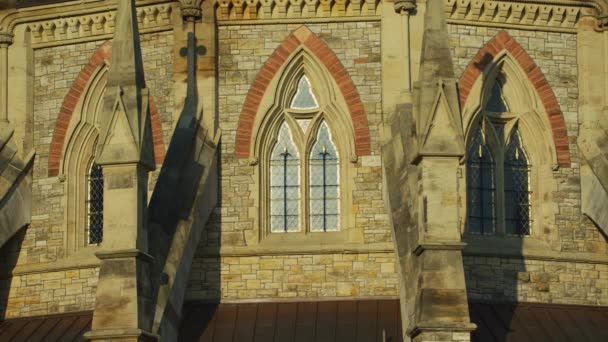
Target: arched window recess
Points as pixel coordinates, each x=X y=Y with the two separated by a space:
x=83 y=178
x=303 y=94
x=304 y=139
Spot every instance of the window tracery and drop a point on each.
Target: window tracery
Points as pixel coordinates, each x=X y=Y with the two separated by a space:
x=498 y=171
x=304 y=167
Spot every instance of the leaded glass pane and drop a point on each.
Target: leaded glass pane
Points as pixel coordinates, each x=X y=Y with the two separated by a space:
x=496 y=102
x=324 y=183
x=284 y=184
x=517 y=188
x=95 y=205
x=480 y=187
x=304 y=97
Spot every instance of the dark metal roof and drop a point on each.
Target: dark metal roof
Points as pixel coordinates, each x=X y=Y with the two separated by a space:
x=363 y=320
x=538 y=322
x=64 y=327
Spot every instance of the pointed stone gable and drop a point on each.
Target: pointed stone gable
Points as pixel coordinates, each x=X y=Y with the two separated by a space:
x=126 y=84
x=118 y=133
x=443 y=128
x=503 y=41
x=302 y=38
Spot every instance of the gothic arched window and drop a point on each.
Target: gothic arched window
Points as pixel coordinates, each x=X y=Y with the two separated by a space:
x=285 y=184
x=324 y=183
x=95 y=205
x=480 y=185
x=498 y=171
x=304 y=168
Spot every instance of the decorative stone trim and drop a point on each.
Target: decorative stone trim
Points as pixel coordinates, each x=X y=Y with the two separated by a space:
x=282 y=9
x=302 y=37
x=6 y=38
x=564 y=16
x=101 y=56
x=503 y=41
x=97 y=24
x=191 y=9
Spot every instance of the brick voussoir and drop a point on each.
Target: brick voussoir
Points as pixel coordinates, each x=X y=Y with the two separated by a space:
x=535 y=75
x=268 y=72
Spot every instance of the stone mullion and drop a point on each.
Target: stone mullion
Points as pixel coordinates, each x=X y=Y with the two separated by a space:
x=6 y=39
x=499 y=189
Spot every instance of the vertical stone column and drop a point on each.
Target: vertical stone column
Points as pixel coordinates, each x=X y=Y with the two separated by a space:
x=592 y=46
x=421 y=152
x=124 y=301
x=6 y=39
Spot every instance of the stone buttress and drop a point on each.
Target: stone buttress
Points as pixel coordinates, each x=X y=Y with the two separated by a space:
x=423 y=148
x=123 y=307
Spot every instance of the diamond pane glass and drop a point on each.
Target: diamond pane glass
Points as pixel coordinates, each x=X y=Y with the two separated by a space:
x=496 y=102
x=95 y=205
x=284 y=184
x=480 y=187
x=304 y=97
x=517 y=188
x=324 y=183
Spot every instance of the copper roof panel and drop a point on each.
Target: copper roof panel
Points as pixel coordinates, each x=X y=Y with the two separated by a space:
x=63 y=327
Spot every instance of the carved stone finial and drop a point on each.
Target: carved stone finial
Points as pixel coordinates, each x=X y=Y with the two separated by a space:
x=405 y=6
x=191 y=9
x=6 y=38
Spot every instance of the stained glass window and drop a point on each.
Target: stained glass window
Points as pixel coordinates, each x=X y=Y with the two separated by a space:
x=517 y=188
x=480 y=186
x=304 y=97
x=324 y=183
x=95 y=205
x=496 y=102
x=284 y=184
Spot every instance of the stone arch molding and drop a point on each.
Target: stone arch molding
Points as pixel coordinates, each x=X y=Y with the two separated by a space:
x=302 y=52
x=86 y=94
x=528 y=84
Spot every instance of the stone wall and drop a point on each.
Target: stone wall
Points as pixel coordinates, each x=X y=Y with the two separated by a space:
x=243 y=50
x=44 y=241
x=544 y=281
x=294 y=276
x=49 y=293
x=571 y=282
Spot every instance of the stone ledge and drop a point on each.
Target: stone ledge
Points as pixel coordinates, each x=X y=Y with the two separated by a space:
x=491 y=250
x=457 y=327
x=297 y=250
x=121 y=334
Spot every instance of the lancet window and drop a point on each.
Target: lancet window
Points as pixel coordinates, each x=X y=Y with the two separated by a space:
x=95 y=205
x=498 y=171
x=304 y=167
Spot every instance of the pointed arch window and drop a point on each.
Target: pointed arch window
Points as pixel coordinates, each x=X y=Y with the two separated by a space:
x=285 y=184
x=480 y=185
x=304 y=168
x=95 y=205
x=517 y=187
x=324 y=183
x=498 y=171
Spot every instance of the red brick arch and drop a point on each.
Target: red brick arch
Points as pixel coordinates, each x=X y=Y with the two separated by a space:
x=302 y=37
x=101 y=56
x=503 y=41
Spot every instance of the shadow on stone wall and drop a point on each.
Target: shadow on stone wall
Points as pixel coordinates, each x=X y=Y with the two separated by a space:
x=9 y=254
x=492 y=279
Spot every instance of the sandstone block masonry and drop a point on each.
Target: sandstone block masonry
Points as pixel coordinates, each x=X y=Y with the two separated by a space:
x=573 y=281
x=44 y=242
x=243 y=50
